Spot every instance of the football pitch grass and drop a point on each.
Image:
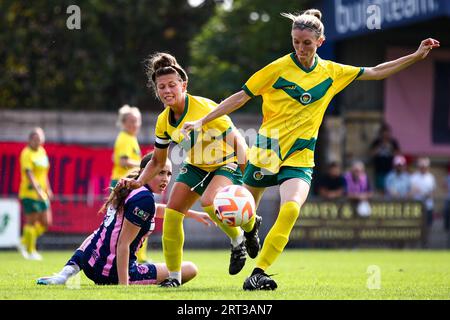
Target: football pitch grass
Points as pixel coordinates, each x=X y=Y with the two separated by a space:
x=300 y=274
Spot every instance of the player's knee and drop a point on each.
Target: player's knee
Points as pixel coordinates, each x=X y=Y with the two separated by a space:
x=206 y=201
x=189 y=271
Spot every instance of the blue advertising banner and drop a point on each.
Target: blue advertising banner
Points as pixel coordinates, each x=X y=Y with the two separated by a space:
x=348 y=18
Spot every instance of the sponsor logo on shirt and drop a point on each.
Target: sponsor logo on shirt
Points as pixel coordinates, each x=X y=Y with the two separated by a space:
x=141 y=213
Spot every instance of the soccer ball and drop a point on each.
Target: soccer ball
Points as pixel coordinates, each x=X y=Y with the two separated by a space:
x=234 y=205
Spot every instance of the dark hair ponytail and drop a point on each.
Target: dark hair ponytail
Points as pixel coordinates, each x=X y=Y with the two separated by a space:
x=120 y=193
x=162 y=63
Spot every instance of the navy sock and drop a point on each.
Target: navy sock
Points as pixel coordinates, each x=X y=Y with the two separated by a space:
x=76 y=259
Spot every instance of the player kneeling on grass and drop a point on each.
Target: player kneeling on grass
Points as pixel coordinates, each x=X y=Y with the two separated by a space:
x=108 y=256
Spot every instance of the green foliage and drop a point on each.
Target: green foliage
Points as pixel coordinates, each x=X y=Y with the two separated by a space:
x=47 y=66
x=232 y=45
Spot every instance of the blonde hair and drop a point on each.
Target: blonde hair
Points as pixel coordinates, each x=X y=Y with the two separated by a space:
x=126 y=110
x=37 y=131
x=310 y=19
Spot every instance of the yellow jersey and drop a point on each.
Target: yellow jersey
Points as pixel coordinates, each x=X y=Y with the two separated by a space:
x=126 y=145
x=207 y=147
x=37 y=162
x=294 y=102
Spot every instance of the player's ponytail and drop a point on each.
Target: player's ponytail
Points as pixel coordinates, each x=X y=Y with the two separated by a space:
x=120 y=193
x=162 y=63
x=310 y=19
x=314 y=12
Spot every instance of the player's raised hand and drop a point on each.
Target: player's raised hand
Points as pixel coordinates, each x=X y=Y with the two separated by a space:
x=202 y=217
x=426 y=46
x=189 y=126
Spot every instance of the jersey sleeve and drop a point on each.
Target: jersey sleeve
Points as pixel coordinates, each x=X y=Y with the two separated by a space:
x=344 y=75
x=221 y=125
x=140 y=210
x=261 y=81
x=122 y=148
x=162 y=139
x=25 y=161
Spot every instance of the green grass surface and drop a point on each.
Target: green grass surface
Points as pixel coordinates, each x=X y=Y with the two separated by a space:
x=300 y=274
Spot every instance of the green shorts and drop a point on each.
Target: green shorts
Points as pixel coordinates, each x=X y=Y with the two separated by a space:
x=261 y=178
x=34 y=206
x=199 y=179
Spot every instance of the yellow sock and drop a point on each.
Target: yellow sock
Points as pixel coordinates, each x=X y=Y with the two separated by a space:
x=278 y=236
x=249 y=225
x=31 y=236
x=173 y=239
x=142 y=252
x=26 y=236
x=40 y=229
x=231 y=232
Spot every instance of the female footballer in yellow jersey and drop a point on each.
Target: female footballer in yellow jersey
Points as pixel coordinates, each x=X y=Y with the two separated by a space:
x=127 y=154
x=35 y=193
x=211 y=164
x=296 y=90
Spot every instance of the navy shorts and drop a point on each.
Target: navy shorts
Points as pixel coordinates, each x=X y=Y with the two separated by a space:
x=144 y=273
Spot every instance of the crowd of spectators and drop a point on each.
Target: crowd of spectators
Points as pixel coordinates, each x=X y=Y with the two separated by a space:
x=394 y=179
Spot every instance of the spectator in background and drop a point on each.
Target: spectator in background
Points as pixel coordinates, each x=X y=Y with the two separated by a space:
x=127 y=154
x=398 y=181
x=422 y=187
x=383 y=150
x=332 y=184
x=359 y=190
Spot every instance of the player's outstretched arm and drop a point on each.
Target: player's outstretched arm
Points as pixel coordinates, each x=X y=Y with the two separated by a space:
x=227 y=106
x=235 y=139
x=389 y=68
x=202 y=217
x=153 y=167
x=127 y=235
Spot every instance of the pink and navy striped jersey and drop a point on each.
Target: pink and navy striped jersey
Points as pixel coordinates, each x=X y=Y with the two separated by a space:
x=100 y=251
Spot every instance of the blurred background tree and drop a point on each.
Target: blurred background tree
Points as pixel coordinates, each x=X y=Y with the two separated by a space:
x=44 y=65
x=47 y=66
x=235 y=43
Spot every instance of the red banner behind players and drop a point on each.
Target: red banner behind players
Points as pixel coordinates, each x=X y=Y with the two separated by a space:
x=79 y=176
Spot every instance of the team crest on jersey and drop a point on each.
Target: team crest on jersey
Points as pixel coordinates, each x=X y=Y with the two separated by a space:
x=258 y=175
x=141 y=213
x=183 y=170
x=305 y=98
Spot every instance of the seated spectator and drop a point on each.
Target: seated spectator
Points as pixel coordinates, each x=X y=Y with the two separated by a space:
x=422 y=186
x=383 y=149
x=332 y=184
x=359 y=190
x=357 y=182
x=398 y=181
